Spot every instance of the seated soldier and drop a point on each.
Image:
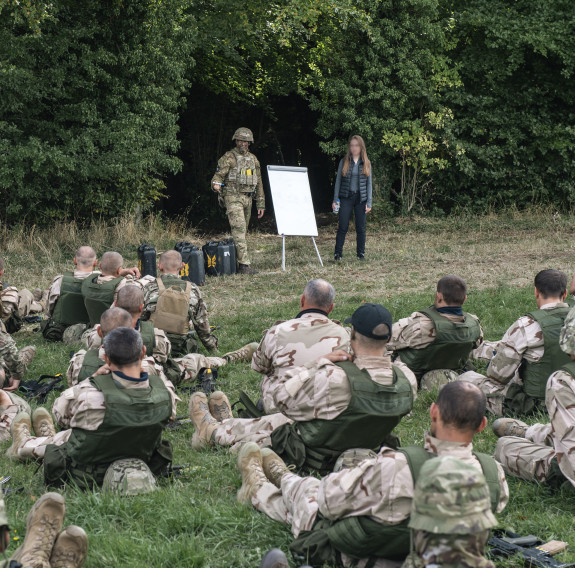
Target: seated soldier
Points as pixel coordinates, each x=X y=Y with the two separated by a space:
x=520 y=364
x=65 y=301
x=45 y=544
x=363 y=512
x=107 y=417
x=327 y=406
x=16 y=304
x=436 y=343
x=176 y=317
x=298 y=341
x=451 y=517
x=13 y=362
x=100 y=289
x=545 y=453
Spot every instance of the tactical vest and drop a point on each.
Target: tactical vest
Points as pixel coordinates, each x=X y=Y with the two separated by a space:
x=90 y=364
x=345 y=187
x=148 y=336
x=372 y=413
x=98 y=297
x=451 y=348
x=535 y=375
x=244 y=172
x=70 y=308
x=172 y=306
x=569 y=368
x=362 y=537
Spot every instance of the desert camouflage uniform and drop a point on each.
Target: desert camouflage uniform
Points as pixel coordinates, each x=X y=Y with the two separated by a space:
x=9 y=412
x=523 y=340
x=21 y=301
x=318 y=390
x=55 y=288
x=10 y=359
x=382 y=489
x=238 y=199
x=198 y=311
x=81 y=406
x=293 y=343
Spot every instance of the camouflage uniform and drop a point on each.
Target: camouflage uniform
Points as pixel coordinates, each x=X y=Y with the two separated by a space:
x=238 y=197
x=9 y=412
x=293 y=343
x=522 y=341
x=198 y=311
x=130 y=476
x=20 y=301
x=450 y=516
x=81 y=406
x=127 y=280
x=317 y=390
x=380 y=488
x=10 y=358
x=54 y=290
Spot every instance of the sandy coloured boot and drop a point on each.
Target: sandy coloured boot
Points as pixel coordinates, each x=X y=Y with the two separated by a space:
x=242 y=355
x=21 y=431
x=251 y=468
x=27 y=354
x=43 y=524
x=70 y=549
x=42 y=422
x=220 y=407
x=204 y=423
x=509 y=427
x=274 y=467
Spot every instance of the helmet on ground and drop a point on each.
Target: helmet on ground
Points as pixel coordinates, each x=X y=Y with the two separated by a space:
x=244 y=134
x=129 y=477
x=567 y=337
x=451 y=497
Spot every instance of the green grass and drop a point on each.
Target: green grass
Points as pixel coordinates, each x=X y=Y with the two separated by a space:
x=195 y=521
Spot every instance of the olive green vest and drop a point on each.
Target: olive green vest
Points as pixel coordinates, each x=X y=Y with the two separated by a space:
x=98 y=297
x=535 y=375
x=372 y=413
x=70 y=308
x=362 y=537
x=569 y=368
x=451 y=348
x=148 y=336
x=90 y=364
x=132 y=426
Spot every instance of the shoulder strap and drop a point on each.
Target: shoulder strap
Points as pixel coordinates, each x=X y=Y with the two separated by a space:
x=416 y=456
x=569 y=368
x=188 y=288
x=160 y=284
x=491 y=473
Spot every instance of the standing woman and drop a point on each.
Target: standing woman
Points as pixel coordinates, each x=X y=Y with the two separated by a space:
x=353 y=189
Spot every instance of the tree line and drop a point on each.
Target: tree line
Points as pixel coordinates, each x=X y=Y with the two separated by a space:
x=109 y=106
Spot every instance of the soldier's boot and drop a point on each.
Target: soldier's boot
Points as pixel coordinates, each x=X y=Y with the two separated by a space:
x=21 y=431
x=70 y=549
x=43 y=524
x=220 y=407
x=274 y=558
x=204 y=423
x=509 y=427
x=42 y=422
x=242 y=355
x=246 y=269
x=27 y=354
x=274 y=467
x=251 y=468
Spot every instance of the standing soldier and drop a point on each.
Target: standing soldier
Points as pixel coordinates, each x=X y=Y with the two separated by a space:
x=237 y=179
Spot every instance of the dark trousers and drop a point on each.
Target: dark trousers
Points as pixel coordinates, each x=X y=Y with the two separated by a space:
x=348 y=206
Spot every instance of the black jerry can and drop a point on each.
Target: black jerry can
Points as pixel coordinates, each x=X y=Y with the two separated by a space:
x=147 y=260
x=193 y=259
x=220 y=257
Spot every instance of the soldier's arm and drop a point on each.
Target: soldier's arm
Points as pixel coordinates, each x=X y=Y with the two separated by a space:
x=415 y=332
x=74 y=367
x=53 y=295
x=504 y=496
x=224 y=165
x=64 y=406
x=199 y=318
x=262 y=360
x=260 y=195
x=162 y=347
x=9 y=301
x=10 y=354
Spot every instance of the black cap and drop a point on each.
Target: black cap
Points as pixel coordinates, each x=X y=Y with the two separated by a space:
x=367 y=317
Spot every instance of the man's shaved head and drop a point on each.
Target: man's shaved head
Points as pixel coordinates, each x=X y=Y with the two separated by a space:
x=110 y=263
x=319 y=294
x=113 y=318
x=171 y=261
x=130 y=298
x=85 y=257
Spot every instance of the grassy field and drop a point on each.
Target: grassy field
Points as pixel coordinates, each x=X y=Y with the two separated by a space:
x=196 y=521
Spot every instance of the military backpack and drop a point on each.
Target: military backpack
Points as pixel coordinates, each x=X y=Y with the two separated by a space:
x=171 y=314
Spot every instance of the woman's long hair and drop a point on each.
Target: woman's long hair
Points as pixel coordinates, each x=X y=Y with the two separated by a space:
x=366 y=163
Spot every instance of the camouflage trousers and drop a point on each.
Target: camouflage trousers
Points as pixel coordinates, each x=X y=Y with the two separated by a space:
x=237 y=431
x=495 y=392
x=192 y=363
x=239 y=210
x=35 y=447
x=9 y=412
x=21 y=301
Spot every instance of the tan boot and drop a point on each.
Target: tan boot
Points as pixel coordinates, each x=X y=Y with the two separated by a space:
x=242 y=355
x=251 y=468
x=70 y=549
x=27 y=354
x=274 y=467
x=509 y=427
x=21 y=431
x=42 y=422
x=43 y=524
x=204 y=423
x=220 y=407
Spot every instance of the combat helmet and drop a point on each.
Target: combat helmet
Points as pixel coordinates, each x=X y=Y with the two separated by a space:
x=129 y=476
x=567 y=336
x=244 y=134
x=451 y=497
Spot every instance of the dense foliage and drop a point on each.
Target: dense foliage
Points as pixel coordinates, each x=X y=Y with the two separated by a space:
x=109 y=105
